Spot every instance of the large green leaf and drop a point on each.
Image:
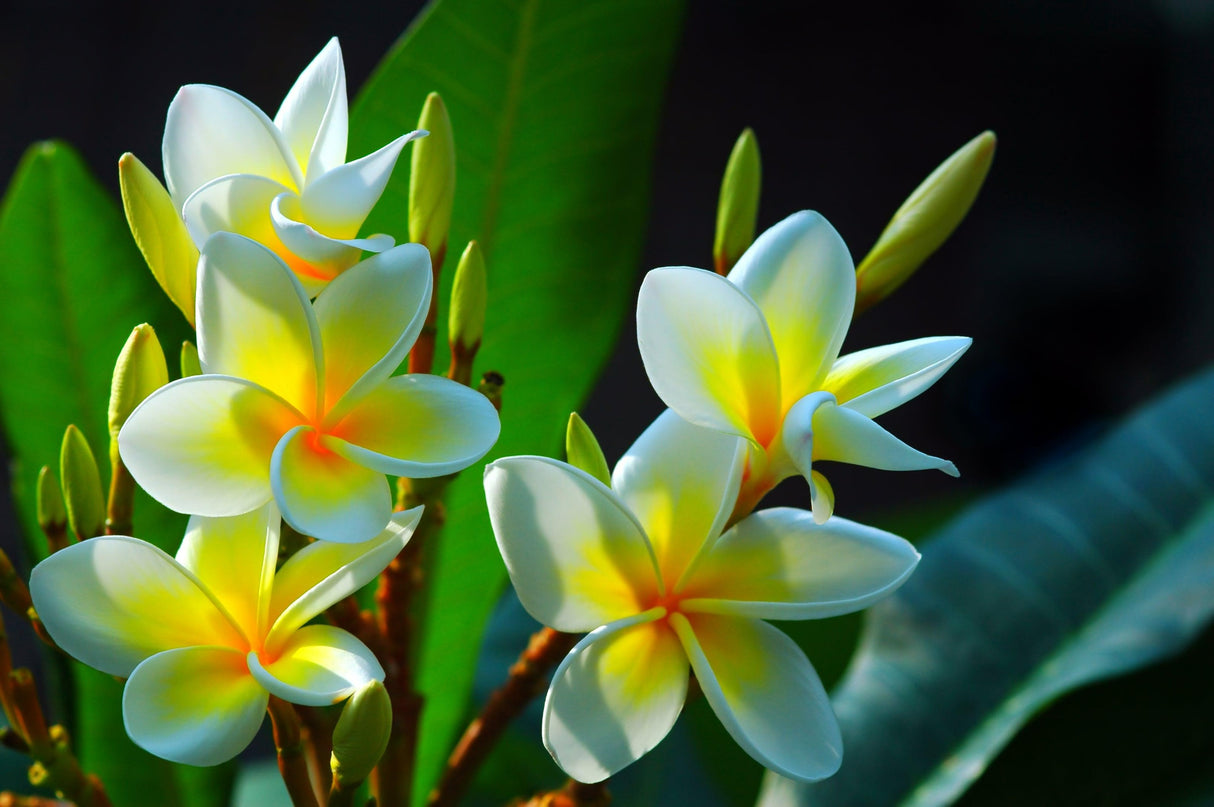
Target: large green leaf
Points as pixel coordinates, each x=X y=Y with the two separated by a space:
x=1093 y=568
x=554 y=106
x=73 y=285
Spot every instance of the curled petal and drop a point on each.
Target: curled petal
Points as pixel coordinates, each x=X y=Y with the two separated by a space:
x=614 y=697
x=577 y=557
x=821 y=497
x=801 y=275
x=212 y=132
x=879 y=379
x=765 y=693
x=780 y=564
x=708 y=353
x=418 y=425
x=338 y=202
x=316 y=666
x=844 y=435
x=236 y=203
x=196 y=705
x=325 y=495
x=314 y=117
x=325 y=257
x=203 y=444
x=797 y=440
x=113 y=601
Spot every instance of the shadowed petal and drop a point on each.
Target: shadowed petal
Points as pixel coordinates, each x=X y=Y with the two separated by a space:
x=314 y=117
x=236 y=203
x=326 y=257
x=876 y=380
x=844 y=435
x=316 y=666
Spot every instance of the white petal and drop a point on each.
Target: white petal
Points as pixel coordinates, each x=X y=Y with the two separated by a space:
x=338 y=202
x=314 y=117
x=212 y=132
x=614 y=697
x=765 y=693
x=235 y=203
x=781 y=564
x=845 y=435
x=203 y=444
x=113 y=601
x=326 y=257
x=681 y=482
x=577 y=558
x=879 y=379
x=802 y=277
x=708 y=353
x=197 y=705
x=318 y=665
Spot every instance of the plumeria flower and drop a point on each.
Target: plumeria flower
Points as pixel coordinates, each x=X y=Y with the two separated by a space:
x=756 y=355
x=205 y=638
x=644 y=567
x=284 y=182
x=297 y=401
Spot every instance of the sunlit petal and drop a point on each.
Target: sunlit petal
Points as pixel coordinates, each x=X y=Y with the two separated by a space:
x=325 y=495
x=765 y=692
x=318 y=665
x=801 y=275
x=845 y=435
x=113 y=601
x=236 y=203
x=212 y=132
x=418 y=425
x=326 y=257
x=197 y=705
x=681 y=482
x=323 y=572
x=203 y=444
x=614 y=697
x=338 y=203
x=708 y=353
x=876 y=380
x=780 y=564
x=314 y=116
x=577 y=558
x=255 y=321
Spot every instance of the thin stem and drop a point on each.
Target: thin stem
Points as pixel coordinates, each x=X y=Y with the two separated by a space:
x=421 y=357
x=120 y=507
x=572 y=794
x=317 y=735
x=526 y=680
x=289 y=744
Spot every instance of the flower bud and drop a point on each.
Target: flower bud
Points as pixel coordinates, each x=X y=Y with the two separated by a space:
x=361 y=734
x=159 y=232
x=190 y=365
x=738 y=205
x=52 y=517
x=924 y=221
x=81 y=485
x=469 y=295
x=140 y=370
x=583 y=452
x=432 y=179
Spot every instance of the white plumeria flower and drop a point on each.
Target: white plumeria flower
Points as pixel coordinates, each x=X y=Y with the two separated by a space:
x=284 y=182
x=204 y=639
x=756 y=355
x=297 y=401
x=640 y=565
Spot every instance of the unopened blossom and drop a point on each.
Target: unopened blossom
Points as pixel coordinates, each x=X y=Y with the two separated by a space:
x=648 y=568
x=756 y=355
x=205 y=638
x=297 y=402
x=283 y=182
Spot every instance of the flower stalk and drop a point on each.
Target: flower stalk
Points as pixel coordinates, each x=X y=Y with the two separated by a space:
x=288 y=743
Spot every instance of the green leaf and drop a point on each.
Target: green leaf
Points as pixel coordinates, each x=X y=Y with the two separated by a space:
x=1091 y=569
x=72 y=288
x=554 y=108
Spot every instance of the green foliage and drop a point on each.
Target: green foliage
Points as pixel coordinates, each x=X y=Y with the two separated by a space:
x=554 y=108
x=1089 y=570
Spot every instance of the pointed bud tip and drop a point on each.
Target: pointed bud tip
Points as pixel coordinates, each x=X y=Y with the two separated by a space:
x=582 y=450
x=141 y=369
x=432 y=177
x=52 y=513
x=738 y=203
x=190 y=363
x=82 y=491
x=361 y=734
x=469 y=299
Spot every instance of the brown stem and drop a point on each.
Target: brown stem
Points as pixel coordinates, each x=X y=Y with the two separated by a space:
x=289 y=744
x=573 y=794
x=317 y=735
x=421 y=357
x=13 y=590
x=527 y=678
x=461 y=362
x=120 y=507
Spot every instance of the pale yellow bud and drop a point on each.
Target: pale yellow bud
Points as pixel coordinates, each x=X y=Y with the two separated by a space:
x=582 y=450
x=432 y=179
x=140 y=370
x=190 y=365
x=160 y=233
x=52 y=515
x=81 y=485
x=469 y=296
x=738 y=205
x=361 y=734
x=925 y=221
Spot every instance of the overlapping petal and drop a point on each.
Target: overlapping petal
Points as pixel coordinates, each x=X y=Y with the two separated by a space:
x=844 y=435
x=781 y=564
x=320 y=258
x=338 y=202
x=316 y=666
x=236 y=203
x=708 y=352
x=614 y=697
x=879 y=379
x=128 y=601
x=578 y=559
x=765 y=692
x=314 y=117
x=196 y=705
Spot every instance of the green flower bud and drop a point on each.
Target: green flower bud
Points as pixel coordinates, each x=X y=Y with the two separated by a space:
x=924 y=221
x=140 y=370
x=159 y=232
x=81 y=485
x=738 y=205
x=582 y=450
x=432 y=178
x=190 y=365
x=469 y=296
x=52 y=517
x=361 y=734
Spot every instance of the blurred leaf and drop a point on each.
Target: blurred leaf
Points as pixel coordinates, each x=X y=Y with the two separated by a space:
x=72 y=287
x=554 y=108
x=1094 y=568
